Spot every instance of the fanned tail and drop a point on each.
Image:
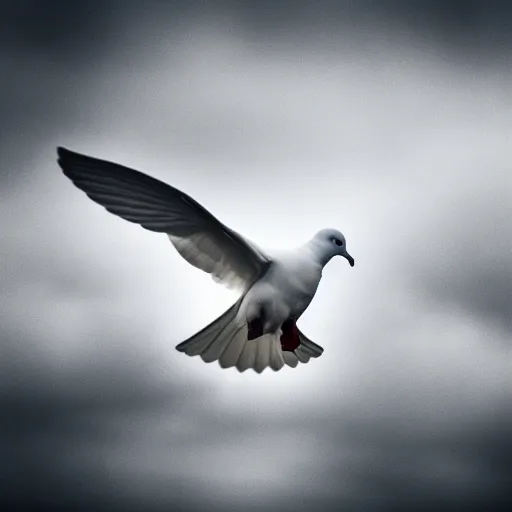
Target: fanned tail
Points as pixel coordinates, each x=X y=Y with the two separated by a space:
x=225 y=340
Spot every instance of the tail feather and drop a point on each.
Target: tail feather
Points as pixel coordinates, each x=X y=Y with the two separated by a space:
x=276 y=355
x=263 y=353
x=302 y=355
x=200 y=342
x=247 y=358
x=304 y=352
x=290 y=359
x=225 y=340
x=309 y=347
x=217 y=347
x=231 y=354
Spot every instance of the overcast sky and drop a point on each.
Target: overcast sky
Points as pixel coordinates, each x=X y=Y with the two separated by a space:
x=391 y=121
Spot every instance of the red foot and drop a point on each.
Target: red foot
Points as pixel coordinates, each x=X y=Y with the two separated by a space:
x=290 y=337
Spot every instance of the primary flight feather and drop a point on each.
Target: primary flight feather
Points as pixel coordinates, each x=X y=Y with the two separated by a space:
x=260 y=329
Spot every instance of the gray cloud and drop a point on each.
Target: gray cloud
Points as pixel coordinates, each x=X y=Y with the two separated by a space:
x=58 y=429
x=468 y=250
x=382 y=120
x=56 y=28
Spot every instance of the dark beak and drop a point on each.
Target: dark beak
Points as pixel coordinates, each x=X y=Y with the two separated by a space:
x=349 y=259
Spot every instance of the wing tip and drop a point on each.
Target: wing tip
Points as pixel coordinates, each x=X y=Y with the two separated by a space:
x=63 y=153
x=181 y=347
x=64 y=157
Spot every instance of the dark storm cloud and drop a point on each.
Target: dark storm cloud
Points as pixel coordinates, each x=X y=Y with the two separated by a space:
x=56 y=29
x=467 y=26
x=44 y=49
x=83 y=31
x=60 y=419
x=64 y=433
x=412 y=468
x=476 y=21
x=61 y=414
x=469 y=253
x=484 y=291
x=90 y=418
x=51 y=50
x=57 y=428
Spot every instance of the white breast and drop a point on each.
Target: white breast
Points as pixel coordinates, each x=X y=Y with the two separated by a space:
x=295 y=279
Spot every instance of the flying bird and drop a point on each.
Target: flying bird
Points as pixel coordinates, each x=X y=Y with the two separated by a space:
x=260 y=329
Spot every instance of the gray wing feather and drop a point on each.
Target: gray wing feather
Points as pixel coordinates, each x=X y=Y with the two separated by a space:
x=197 y=235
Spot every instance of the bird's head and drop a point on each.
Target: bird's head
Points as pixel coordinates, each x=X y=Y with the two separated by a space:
x=329 y=243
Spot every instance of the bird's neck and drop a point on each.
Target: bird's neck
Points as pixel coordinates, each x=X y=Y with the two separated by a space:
x=320 y=255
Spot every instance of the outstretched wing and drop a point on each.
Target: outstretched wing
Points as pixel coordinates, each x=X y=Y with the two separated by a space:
x=197 y=235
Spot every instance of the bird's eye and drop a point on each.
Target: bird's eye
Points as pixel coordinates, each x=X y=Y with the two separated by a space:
x=337 y=241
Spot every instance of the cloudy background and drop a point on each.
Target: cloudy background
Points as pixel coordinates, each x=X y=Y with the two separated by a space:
x=389 y=120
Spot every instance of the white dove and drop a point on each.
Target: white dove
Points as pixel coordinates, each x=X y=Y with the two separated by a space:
x=260 y=329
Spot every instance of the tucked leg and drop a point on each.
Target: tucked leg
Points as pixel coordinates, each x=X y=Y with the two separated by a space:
x=255 y=329
x=290 y=336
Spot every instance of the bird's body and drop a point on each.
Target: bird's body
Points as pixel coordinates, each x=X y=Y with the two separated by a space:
x=259 y=330
x=284 y=291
